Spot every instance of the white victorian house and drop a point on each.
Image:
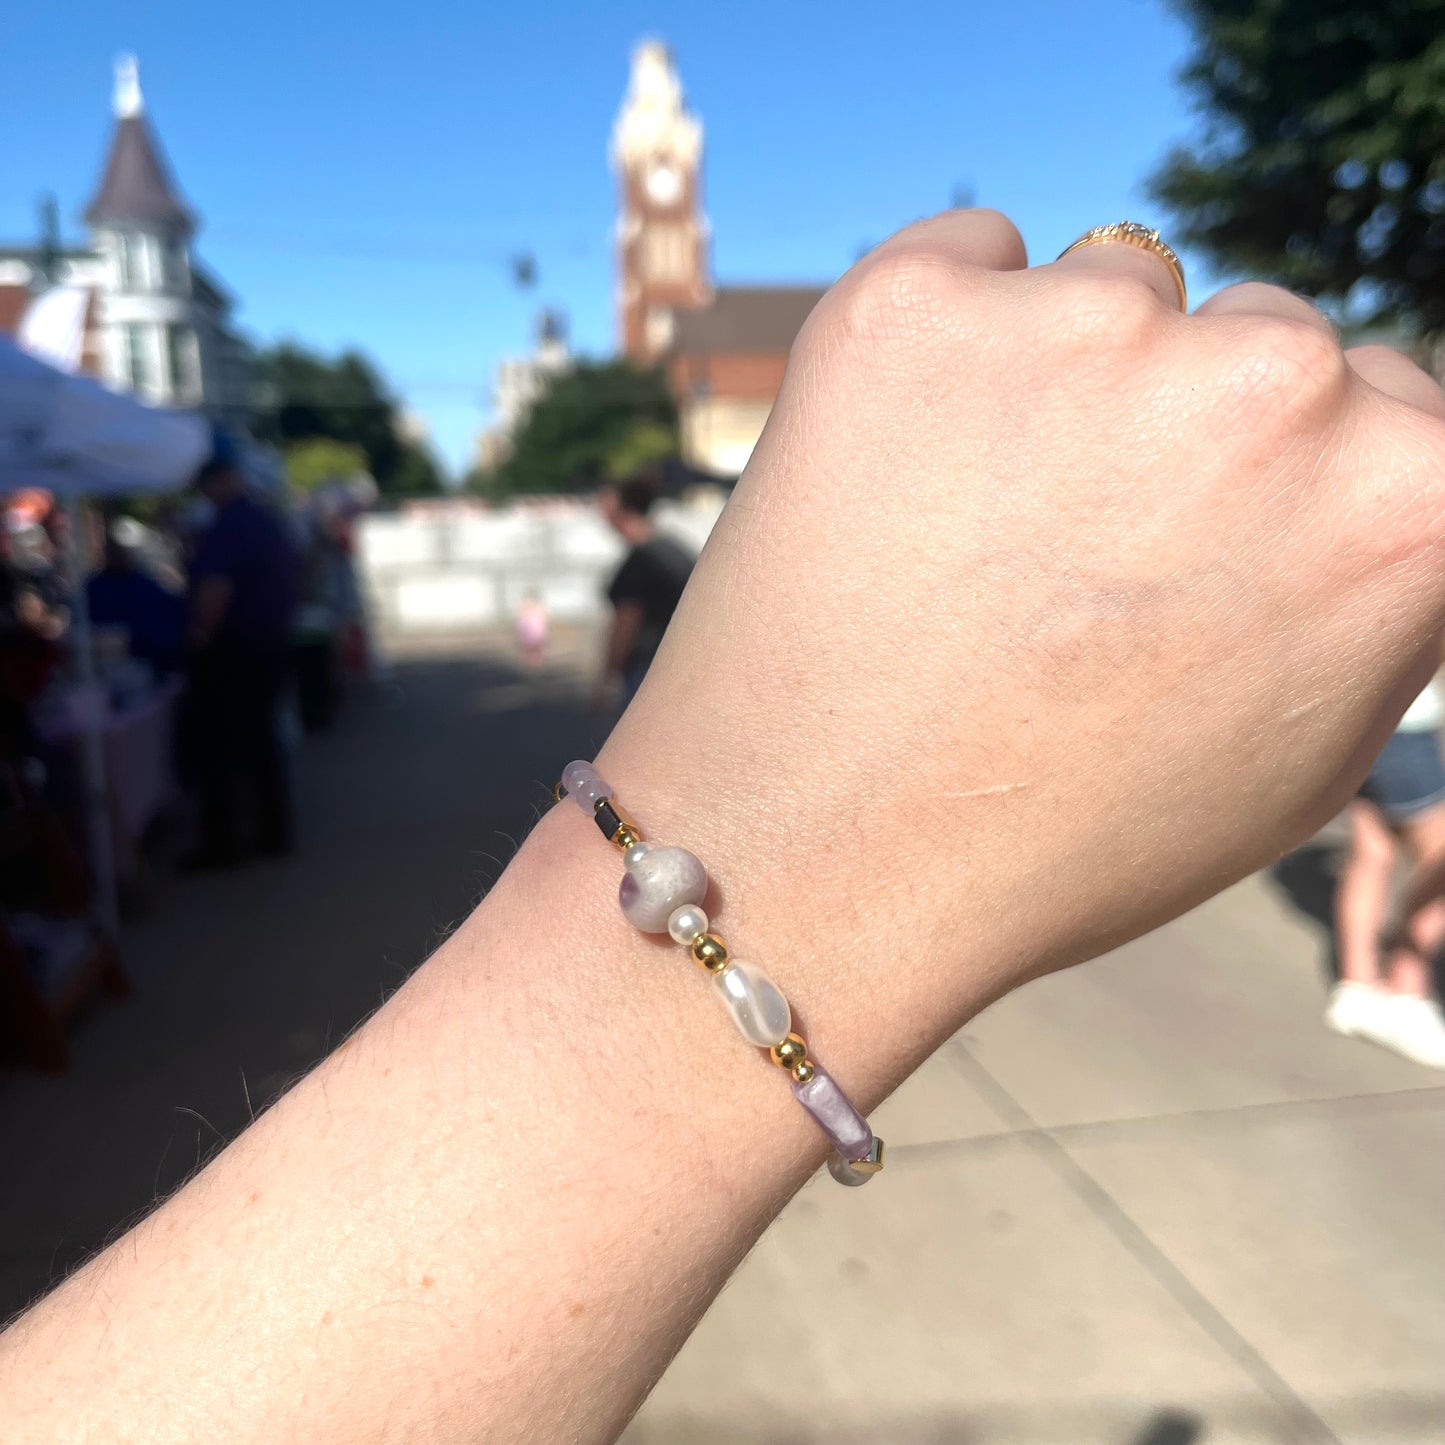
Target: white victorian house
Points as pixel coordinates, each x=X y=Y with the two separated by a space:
x=143 y=313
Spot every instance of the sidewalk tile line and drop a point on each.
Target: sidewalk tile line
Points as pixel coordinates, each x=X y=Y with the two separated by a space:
x=1110 y=1213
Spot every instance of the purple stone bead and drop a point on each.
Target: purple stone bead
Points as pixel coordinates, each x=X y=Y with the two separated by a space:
x=586 y=789
x=845 y=1173
x=659 y=880
x=835 y=1116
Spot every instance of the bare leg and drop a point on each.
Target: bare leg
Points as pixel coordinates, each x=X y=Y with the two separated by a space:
x=1422 y=925
x=1363 y=894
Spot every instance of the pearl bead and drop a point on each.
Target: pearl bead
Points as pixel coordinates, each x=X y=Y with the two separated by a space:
x=686 y=922
x=635 y=854
x=756 y=1004
x=658 y=884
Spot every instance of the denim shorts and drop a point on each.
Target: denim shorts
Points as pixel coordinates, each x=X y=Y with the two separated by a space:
x=1408 y=777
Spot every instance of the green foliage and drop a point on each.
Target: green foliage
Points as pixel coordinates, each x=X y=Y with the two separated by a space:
x=589 y=416
x=305 y=396
x=317 y=460
x=417 y=474
x=1323 y=163
x=645 y=441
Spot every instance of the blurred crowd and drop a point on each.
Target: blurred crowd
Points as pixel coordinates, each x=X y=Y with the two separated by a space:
x=158 y=663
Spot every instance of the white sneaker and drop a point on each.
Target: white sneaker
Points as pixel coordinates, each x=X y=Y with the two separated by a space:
x=1413 y=1027
x=1353 y=1007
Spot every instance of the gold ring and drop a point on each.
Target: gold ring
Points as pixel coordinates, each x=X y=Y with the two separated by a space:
x=1131 y=233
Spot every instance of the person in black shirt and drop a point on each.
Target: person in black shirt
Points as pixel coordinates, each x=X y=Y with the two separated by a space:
x=646 y=588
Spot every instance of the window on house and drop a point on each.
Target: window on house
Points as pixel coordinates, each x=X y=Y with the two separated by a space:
x=173 y=266
x=138 y=358
x=185 y=377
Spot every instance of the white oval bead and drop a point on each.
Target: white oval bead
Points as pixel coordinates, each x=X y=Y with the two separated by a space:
x=658 y=883
x=686 y=923
x=756 y=1004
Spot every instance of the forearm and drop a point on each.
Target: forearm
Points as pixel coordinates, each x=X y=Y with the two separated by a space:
x=626 y=624
x=497 y=1211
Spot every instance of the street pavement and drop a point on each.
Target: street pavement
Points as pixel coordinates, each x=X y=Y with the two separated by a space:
x=1147 y=1202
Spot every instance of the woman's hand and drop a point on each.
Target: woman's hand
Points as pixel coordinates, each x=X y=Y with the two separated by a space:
x=1041 y=612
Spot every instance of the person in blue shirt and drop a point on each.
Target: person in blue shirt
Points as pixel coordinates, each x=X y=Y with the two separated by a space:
x=244 y=589
x=124 y=594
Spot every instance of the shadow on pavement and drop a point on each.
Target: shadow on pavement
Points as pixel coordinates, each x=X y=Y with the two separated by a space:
x=409 y=809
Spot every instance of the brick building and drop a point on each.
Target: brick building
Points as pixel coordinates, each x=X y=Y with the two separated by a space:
x=724 y=347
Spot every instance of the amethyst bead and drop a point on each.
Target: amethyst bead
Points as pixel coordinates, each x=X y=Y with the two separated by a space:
x=835 y=1116
x=658 y=881
x=586 y=789
x=844 y=1172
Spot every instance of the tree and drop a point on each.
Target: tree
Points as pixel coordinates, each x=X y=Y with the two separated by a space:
x=417 y=474
x=588 y=418
x=1322 y=165
x=318 y=460
x=306 y=396
x=644 y=442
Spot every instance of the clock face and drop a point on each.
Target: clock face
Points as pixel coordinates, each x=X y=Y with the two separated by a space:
x=664 y=184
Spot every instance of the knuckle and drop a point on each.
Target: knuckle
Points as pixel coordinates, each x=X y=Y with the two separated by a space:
x=1091 y=311
x=906 y=289
x=1287 y=372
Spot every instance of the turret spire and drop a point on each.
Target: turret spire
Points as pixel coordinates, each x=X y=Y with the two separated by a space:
x=128 y=99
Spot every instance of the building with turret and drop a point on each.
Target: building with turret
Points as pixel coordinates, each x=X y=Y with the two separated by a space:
x=519 y=383
x=135 y=307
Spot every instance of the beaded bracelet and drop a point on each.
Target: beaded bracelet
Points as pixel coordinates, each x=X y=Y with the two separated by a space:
x=662 y=891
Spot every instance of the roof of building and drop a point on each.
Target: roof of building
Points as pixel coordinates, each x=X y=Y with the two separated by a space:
x=137 y=185
x=13 y=302
x=745 y=318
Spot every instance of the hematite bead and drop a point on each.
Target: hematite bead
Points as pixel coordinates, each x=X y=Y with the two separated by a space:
x=616 y=823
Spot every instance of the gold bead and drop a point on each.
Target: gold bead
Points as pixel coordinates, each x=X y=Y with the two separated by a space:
x=803 y=1072
x=557 y=792
x=791 y=1051
x=624 y=838
x=710 y=951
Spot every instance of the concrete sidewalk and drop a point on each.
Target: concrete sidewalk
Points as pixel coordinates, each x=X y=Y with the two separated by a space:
x=1148 y=1202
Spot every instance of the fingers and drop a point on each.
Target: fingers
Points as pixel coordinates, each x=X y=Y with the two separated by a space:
x=983 y=238
x=1120 y=259
x=1254 y=298
x=1396 y=375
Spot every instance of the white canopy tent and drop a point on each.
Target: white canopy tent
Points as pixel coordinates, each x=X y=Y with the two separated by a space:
x=71 y=436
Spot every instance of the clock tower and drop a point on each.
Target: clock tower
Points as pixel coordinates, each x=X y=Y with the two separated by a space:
x=662 y=234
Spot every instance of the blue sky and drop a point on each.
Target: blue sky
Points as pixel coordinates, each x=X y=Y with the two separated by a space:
x=364 y=170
